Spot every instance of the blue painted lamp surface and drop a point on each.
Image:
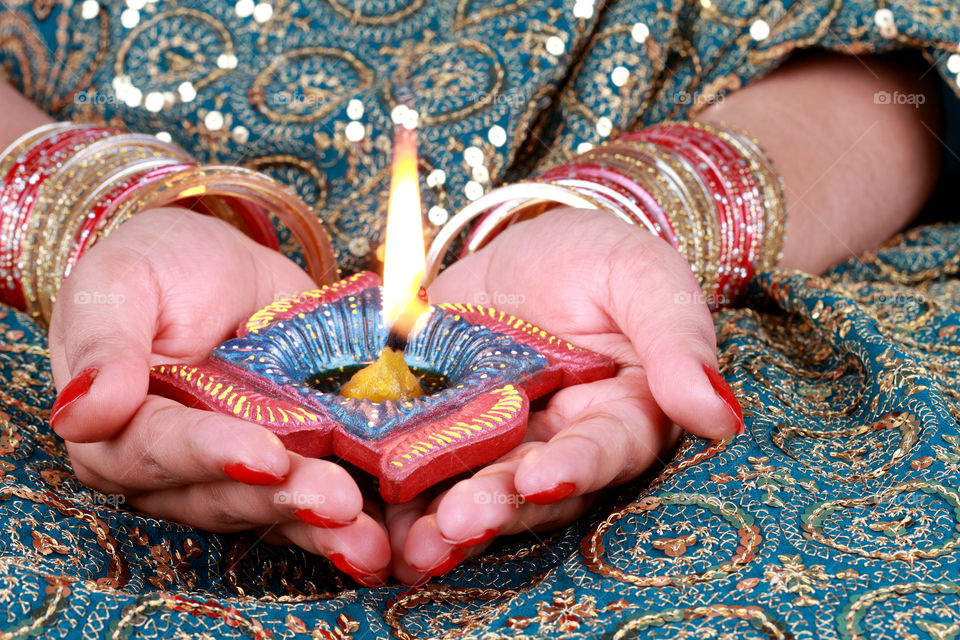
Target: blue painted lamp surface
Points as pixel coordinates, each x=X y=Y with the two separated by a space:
x=479 y=369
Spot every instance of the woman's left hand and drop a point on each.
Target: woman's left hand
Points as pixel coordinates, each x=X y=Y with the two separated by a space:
x=601 y=284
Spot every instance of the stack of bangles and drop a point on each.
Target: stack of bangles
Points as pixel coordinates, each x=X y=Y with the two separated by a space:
x=63 y=187
x=708 y=190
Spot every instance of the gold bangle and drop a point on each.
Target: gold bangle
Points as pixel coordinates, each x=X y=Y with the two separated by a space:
x=523 y=192
x=243 y=184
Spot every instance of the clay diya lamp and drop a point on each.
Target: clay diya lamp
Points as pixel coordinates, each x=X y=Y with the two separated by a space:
x=475 y=369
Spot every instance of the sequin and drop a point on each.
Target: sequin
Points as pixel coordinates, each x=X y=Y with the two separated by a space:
x=640 y=32
x=355 y=109
x=473 y=190
x=555 y=45
x=354 y=131
x=213 y=120
x=473 y=156
x=90 y=9
x=759 y=30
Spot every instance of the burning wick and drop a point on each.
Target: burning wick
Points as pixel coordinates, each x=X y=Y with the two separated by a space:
x=405 y=303
x=399 y=332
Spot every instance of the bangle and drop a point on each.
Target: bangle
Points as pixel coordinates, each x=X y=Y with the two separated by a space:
x=245 y=185
x=707 y=189
x=65 y=186
x=527 y=193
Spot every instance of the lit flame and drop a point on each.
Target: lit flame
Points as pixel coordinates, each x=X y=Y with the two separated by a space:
x=404 y=303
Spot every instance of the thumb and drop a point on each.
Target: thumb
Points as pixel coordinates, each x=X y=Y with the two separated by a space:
x=659 y=306
x=101 y=336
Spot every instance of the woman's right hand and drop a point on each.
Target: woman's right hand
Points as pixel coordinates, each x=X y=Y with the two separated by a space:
x=168 y=286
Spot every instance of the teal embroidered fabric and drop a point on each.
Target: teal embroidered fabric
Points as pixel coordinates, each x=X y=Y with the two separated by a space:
x=837 y=515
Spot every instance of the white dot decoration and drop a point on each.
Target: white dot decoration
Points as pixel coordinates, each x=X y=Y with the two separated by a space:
x=240 y=134
x=244 y=8
x=640 y=32
x=473 y=190
x=438 y=215
x=604 y=126
x=136 y=4
x=497 y=135
x=480 y=174
x=130 y=18
x=131 y=95
x=759 y=30
x=473 y=156
x=355 y=131
x=354 y=109
x=555 y=46
x=583 y=147
x=187 y=92
x=263 y=12
x=583 y=10
x=398 y=113
x=410 y=119
x=436 y=178
x=883 y=17
x=164 y=136
x=620 y=76
x=153 y=102
x=953 y=63
x=227 y=61
x=90 y=9
x=213 y=120
x=885 y=22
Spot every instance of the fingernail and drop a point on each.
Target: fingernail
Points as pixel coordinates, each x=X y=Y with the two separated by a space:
x=725 y=393
x=247 y=475
x=315 y=519
x=75 y=389
x=455 y=557
x=368 y=580
x=549 y=496
x=363 y=577
x=489 y=534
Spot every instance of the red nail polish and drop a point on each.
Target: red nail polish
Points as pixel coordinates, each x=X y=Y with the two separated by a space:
x=489 y=534
x=365 y=578
x=368 y=580
x=315 y=519
x=549 y=496
x=242 y=473
x=725 y=393
x=75 y=389
x=455 y=557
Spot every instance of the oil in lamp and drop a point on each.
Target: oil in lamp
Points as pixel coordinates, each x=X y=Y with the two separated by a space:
x=408 y=392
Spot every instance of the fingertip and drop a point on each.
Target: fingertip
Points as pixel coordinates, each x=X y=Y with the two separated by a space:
x=694 y=395
x=360 y=549
x=98 y=401
x=240 y=450
x=726 y=396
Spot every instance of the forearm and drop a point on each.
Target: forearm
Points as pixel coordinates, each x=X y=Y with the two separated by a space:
x=20 y=115
x=856 y=169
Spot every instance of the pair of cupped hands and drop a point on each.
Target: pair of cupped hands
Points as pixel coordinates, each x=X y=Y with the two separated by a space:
x=172 y=284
